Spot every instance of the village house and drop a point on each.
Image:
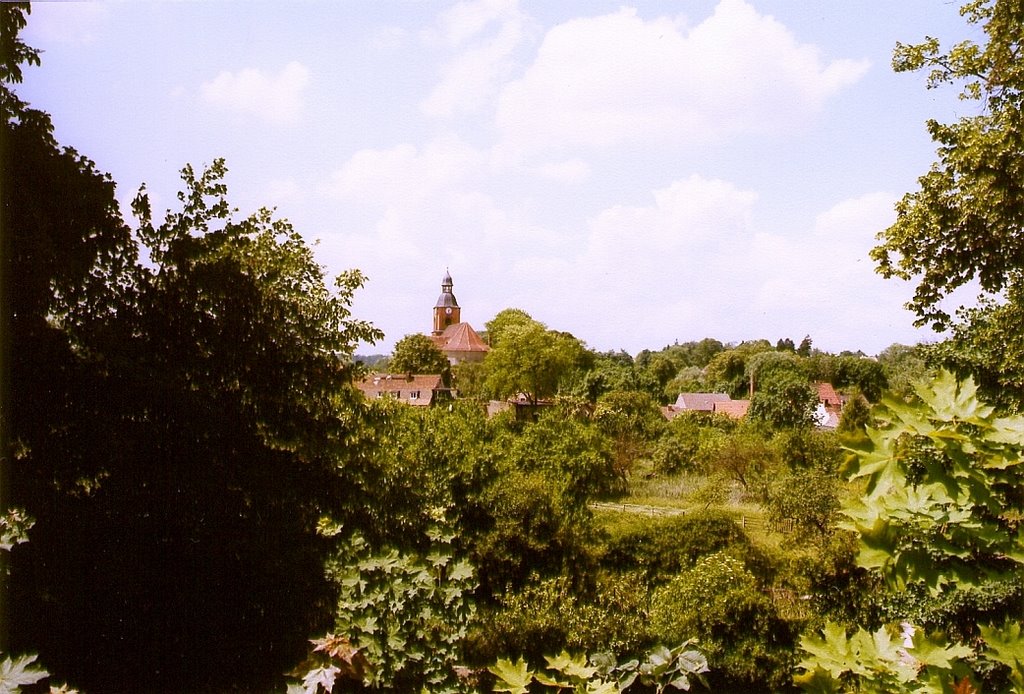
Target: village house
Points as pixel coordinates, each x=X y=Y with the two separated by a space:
x=421 y=390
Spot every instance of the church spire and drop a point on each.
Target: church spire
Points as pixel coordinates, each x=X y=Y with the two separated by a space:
x=446 y=310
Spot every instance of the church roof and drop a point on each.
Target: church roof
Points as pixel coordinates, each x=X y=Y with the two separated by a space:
x=460 y=338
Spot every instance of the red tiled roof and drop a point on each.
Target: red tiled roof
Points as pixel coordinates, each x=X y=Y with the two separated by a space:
x=460 y=337
x=828 y=396
x=704 y=402
x=737 y=409
x=416 y=389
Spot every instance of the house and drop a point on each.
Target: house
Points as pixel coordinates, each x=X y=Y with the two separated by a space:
x=693 y=402
x=737 y=409
x=418 y=390
x=456 y=340
x=830 y=406
x=828 y=396
x=525 y=410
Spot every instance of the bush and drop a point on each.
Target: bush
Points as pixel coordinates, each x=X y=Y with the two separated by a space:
x=748 y=645
x=666 y=546
x=550 y=616
x=527 y=526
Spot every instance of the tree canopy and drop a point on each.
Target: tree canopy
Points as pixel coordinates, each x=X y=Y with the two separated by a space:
x=417 y=354
x=966 y=221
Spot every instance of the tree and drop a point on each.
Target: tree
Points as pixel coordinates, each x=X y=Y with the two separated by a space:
x=940 y=511
x=532 y=360
x=417 y=354
x=504 y=319
x=966 y=221
x=197 y=422
x=804 y=349
x=785 y=402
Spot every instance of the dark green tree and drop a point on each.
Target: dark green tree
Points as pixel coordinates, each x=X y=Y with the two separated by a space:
x=417 y=354
x=182 y=429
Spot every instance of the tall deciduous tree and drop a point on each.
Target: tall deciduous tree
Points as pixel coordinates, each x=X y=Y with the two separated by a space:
x=532 y=360
x=966 y=221
x=181 y=429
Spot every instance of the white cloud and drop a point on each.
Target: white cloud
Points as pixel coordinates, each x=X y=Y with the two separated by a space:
x=276 y=98
x=604 y=80
x=389 y=38
x=472 y=76
x=568 y=171
x=74 y=23
x=466 y=20
x=405 y=174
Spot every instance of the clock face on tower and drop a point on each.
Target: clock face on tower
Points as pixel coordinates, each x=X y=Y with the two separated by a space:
x=448 y=310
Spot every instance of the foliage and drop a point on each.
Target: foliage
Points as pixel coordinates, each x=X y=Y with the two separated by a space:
x=632 y=421
x=665 y=546
x=601 y=674
x=804 y=449
x=904 y=368
x=509 y=317
x=786 y=401
x=808 y=498
x=855 y=417
x=166 y=412
x=526 y=523
x=19 y=672
x=718 y=603
x=941 y=508
x=744 y=456
x=571 y=451
x=405 y=615
x=942 y=499
x=964 y=223
x=417 y=354
x=553 y=614
x=676 y=449
x=880 y=661
x=987 y=344
x=14 y=527
x=532 y=360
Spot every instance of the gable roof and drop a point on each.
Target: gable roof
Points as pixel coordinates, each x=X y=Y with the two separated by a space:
x=705 y=402
x=418 y=389
x=827 y=395
x=737 y=409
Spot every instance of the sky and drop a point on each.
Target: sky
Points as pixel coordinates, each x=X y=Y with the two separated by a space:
x=634 y=174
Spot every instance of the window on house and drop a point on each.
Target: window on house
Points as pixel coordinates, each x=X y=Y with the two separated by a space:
x=414 y=394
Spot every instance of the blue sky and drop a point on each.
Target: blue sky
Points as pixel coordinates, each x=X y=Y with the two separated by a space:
x=633 y=174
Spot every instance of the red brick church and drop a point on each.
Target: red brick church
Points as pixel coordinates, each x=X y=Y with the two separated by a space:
x=457 y=340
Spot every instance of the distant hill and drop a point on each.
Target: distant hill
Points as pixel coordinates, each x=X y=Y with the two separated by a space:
x=369 y=359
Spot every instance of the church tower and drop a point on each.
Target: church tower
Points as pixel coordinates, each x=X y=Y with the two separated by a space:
x=446 y=310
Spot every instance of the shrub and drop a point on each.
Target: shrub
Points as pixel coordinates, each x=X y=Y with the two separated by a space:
x=666 y=546
x=748 y=645
x=551 y=615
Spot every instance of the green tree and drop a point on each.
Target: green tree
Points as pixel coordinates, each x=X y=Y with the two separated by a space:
x=504 y=319
x=197 y=421
x=727 y=373
x=532 y=360
x=964 y=223
x=940 y=511
x=417 y=354
x=904 y=367
x=633 y=422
